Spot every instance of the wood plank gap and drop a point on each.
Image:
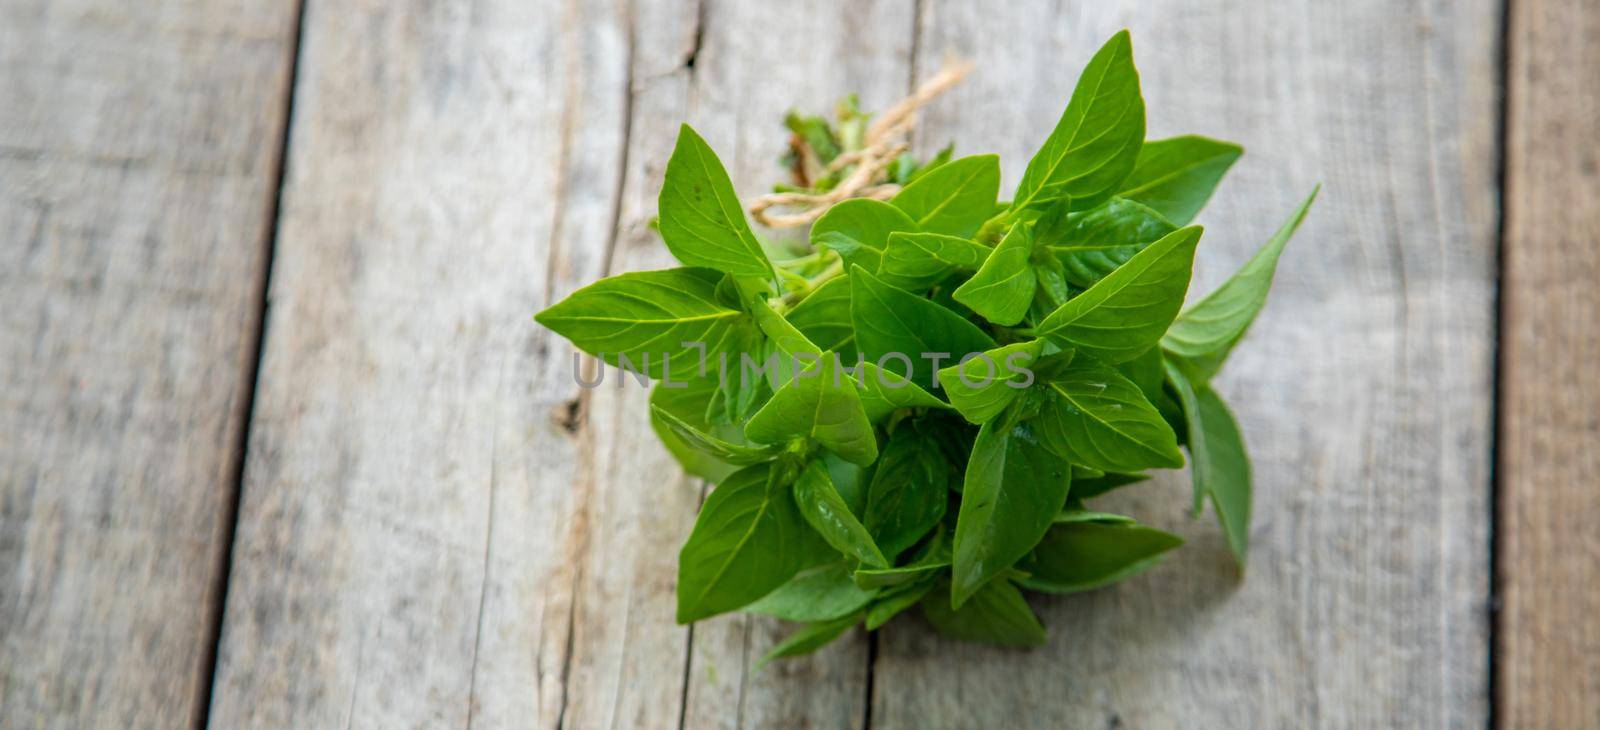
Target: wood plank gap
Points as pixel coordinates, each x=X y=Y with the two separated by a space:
x=1497 y=424
x=250 y=378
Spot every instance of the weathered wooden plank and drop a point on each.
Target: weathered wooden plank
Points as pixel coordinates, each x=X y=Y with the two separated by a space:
x=413 y=501
x=138 y=164
x=1364 y=390
x=1548 y=661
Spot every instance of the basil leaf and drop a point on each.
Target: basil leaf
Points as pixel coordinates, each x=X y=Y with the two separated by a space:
x=890 y=604
x=1176 y=176
x=1013 y=488
x=701 y=219
x=884 y=577
x=819 y=404
x=742 y=395
x=983 y=386
x=883 y=392
x=1096 y=143
x=1078 y=556
x=851 y=481
x=1094 y=416
x=894 y=326
x=916 y=261
x=1003 y=287
x=1096 y=486
x=1126 y=312
x=880 y=392
x=748 y=540
x=782 y=333
x=689 y=404
x=1147 y=372
x=823 y=593
x=1070 y=515
x=997 y=614
x=809 y=639
x=1093 y=243
x=828 y=513
x=858 y=230
x=955 y=198
x=645 y=317
x=824 y=317
x=1221 y=465
x=909 y=492
x=712 y=446
x=1208 y=331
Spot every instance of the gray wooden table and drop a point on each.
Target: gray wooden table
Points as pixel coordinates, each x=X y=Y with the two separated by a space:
x=280 y=445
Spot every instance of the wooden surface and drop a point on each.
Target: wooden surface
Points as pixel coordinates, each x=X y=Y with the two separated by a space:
x=438 y=527
x=138 y=163
x=1549 y=562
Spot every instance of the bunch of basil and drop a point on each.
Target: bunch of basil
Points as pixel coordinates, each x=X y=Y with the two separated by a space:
x=953 y=377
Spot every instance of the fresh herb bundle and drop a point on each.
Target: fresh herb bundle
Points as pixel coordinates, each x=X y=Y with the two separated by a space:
x=943 y=383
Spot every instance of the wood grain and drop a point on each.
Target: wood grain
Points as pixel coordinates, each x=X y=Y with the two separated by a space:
x=138 y=164
x=1548 y=658
x=1364 y=390
x=438 y=526
x=414 y=503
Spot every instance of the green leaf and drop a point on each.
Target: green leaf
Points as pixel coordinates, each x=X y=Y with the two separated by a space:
x=819 y=404
x=827 y=511
x=702 y=221
x=1080 y=555
x=742 y=391
x=809 y=639
x=645 y=317
x=1092 y=415
x=822 y=593
x=909 y=492
x=689 y=405
x=1206 y=332
x=883 y=392
x=931 y=559
x=997 y=614
x=1096 y=142
x=1147 y=372
x=1003 y=287
x=782 y=333
x=712 y=446
x=1096 y=486
x=983 y=386
x=1091 y=244
x=851 y=481
x=916 y=261
x=1070 y=515
x=1013 y=489
x=824 y=317
x=891 y=603
x=892 y=322
x=858 y=230
x=1176 y=176
x=748 y=540
x=955 y=198
x=1221 y=464
x=1126 y=312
